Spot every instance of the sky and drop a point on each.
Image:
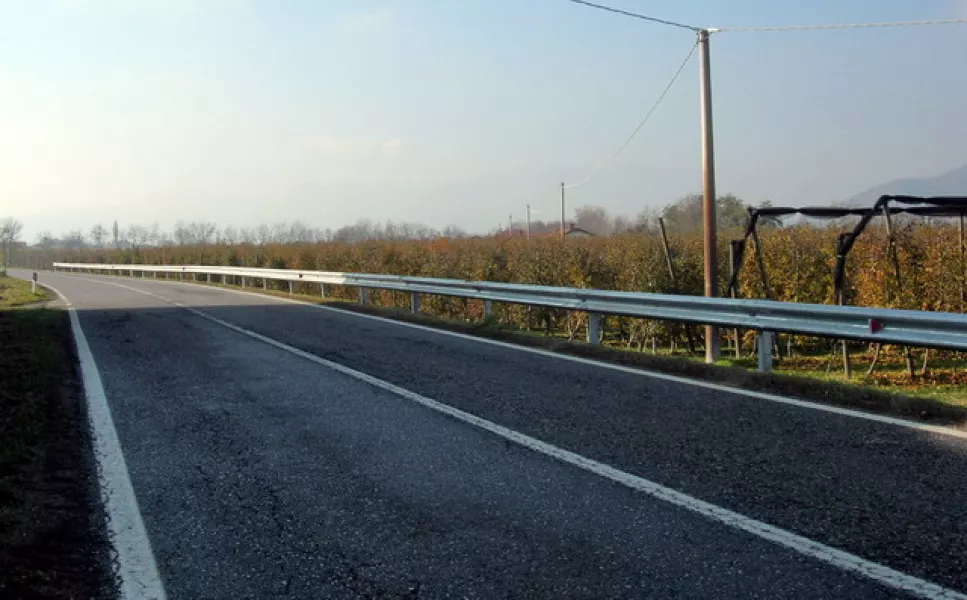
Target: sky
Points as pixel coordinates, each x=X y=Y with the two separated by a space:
x=455 y=111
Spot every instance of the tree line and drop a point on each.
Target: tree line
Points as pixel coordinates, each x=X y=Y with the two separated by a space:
x=681 y=217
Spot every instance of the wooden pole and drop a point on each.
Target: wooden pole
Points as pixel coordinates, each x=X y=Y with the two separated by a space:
x=708 y=192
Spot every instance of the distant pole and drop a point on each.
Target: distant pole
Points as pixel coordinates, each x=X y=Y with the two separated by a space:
x=510 y=224
x=528 y=221
x=562 y=210
x=708 y=194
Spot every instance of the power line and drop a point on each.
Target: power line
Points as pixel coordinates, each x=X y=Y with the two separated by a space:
x=773 y=27
x=641 y=123
x=840 y=25
x=635 y=15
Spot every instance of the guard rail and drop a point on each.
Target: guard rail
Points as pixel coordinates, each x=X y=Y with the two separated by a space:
x=940 y=330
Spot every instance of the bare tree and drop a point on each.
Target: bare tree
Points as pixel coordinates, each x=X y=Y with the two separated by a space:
x=46 y=240
x=138 y=236
x=98 y=235
x=647 y=221
x=74 y=240
x=181 y=233
x=263 y=235
x=10 y=230
x=202 y=233
x=279 y=233
x=594 y=219
x=229 y=236
x=300 y=233
x=453 y=232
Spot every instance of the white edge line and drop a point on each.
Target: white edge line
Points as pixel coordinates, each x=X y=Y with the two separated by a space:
x=838 y=410
x=136 y=567
x=802 y=545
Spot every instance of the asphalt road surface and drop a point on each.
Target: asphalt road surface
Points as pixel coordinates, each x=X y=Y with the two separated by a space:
x=262 y=473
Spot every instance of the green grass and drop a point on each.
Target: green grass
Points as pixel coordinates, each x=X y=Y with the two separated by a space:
x=16 y=292
x=919 y=387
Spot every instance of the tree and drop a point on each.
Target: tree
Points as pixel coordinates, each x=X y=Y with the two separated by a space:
x=46 y=240
x=229 y=236
x=202 y=232
x=594 y=219
x=686 y=215
x=300 y=233
x=621 y=224
x=10 y=230
x=98 y=235
x=770 y=221
x=156 y=237
x=647 y=221
x=181 y=234
x=263 y=234
x=138 y=236
x=74 y=240
x=453 y=232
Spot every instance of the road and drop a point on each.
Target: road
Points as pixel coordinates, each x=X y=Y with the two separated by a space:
x=284 y=450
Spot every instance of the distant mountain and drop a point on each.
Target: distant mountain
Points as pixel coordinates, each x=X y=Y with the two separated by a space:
x=952 y=183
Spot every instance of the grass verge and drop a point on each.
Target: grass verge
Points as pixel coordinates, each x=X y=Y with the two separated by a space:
x=16 y=292
x=52 y=540
x=937 y=409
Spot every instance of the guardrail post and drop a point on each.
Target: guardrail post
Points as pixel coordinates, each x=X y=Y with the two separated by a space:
x=594 y=328
x=325 y=290
x=488 y=309
x=265 y=283
x=290 y=287
x=243 y=282
x=765 y=351
x=209 y=277
x=363 y=295
x=415 y=302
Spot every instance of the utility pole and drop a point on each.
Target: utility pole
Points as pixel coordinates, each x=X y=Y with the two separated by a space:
x=529 y=222
x=562 y=210
x=510 y=225
x=708 y=194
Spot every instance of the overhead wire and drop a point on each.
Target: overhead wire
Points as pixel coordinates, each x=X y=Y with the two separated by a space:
x=724 y=30
x=635 y=15
x=628 y=13
x=840 y=26
x=641 y=123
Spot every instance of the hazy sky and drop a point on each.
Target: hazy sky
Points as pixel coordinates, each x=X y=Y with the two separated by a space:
x=454 y=111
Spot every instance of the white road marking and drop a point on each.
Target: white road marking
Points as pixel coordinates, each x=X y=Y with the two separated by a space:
x=137 y=571
x=805 y=546
x=847 y=412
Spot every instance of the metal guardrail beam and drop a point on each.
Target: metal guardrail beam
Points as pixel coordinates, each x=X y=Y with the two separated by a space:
x=876 y=325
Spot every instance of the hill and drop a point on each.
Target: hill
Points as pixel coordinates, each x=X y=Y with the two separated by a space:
x=951 y=183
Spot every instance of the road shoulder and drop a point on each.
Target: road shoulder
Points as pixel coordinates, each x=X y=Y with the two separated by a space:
x=52 y=536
